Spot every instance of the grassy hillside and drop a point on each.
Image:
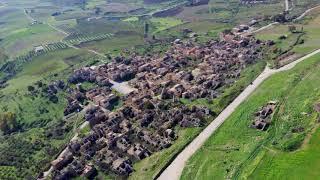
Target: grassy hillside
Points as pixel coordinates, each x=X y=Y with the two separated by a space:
x=237 y=151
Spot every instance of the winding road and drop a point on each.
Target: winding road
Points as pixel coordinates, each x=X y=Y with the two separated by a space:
x=174 y=170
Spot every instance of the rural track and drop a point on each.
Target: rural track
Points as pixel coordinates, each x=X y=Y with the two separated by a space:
x=306 y=12
x=28 y=16
x=276 y=23
x=174 y=170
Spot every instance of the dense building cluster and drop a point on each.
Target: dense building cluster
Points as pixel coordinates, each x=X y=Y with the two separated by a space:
x=147 y=120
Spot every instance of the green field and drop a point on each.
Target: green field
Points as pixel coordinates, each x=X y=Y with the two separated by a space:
x=237 y=151
x=18 y=35
x=25 y=39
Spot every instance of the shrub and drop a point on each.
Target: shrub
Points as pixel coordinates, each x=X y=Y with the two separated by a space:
x=8 y=122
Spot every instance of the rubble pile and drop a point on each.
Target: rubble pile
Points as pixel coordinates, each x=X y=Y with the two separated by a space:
x=263 y=117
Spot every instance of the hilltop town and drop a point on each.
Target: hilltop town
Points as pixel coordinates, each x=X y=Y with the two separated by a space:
x=159 y=89
x=148 y=119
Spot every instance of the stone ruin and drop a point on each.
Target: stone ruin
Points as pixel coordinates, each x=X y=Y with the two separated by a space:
x=263 y=117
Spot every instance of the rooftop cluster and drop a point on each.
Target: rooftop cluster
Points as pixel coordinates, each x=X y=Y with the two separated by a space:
x=148 y=119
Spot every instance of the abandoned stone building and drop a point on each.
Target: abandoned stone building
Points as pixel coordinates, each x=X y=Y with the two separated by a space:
x=263 y=117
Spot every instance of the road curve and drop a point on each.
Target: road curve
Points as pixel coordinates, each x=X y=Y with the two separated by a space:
x=306 y=12
x=174 y=170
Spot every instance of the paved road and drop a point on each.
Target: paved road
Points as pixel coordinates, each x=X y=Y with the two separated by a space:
x=287 y=5
x=174 y=170
x=72 y=46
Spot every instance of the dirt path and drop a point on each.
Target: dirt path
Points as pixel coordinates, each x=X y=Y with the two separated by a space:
x=174 y=170
x=72 y=46
x=57 y=29
x=263 y=28
x=65 y=151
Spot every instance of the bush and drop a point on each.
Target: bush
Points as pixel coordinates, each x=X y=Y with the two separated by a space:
x=8 y=122
x=293 y=143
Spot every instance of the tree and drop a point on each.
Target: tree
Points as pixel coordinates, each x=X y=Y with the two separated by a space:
x=8 y=122
x=227 y=31
x=281 y=18
x=31 y=88
x=97 y=10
